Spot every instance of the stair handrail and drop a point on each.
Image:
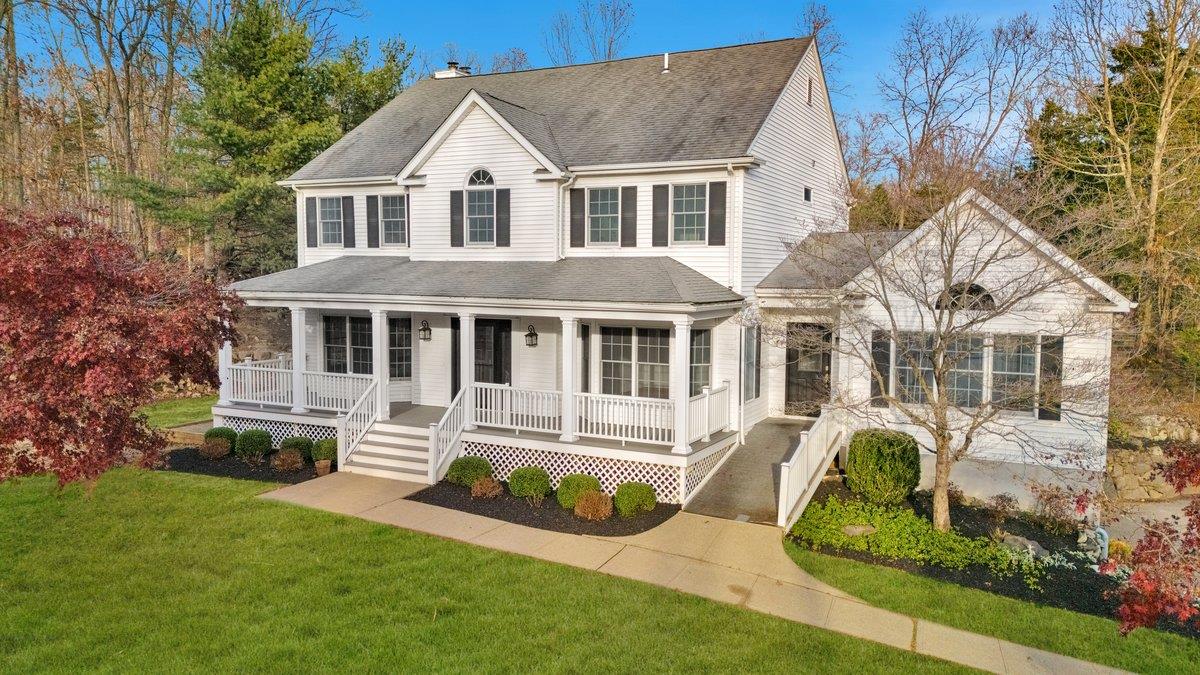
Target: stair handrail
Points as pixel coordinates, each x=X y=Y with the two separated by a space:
x=353 y=426
x=801 y=473
x=445 y=434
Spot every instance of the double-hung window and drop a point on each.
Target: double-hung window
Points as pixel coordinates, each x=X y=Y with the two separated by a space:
x=347 y=345
x=751 y=363
x=965 y=379
x=701 y=360
x=330 y=211
x=481 y=209
x=914 y=367
x=1012 y=367
x=604 y=219
x=635 y=362
x=393 y=220
x=1014 y=372
x=689 y=213
x=400 y=347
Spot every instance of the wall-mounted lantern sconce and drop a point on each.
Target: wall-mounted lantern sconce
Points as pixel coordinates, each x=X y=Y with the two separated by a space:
x=424 y=331
x=531 y=337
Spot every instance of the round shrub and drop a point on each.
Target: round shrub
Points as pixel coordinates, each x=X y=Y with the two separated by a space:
x=594 y=505
x=633 y=498
x=229 y=435
x=214 y=448
x=286 y=461
x=253 y=444
x=883 y=466
x=299 y=444
x=325 y=449
x=531 y=482
x=468 y=469
x=571 y=485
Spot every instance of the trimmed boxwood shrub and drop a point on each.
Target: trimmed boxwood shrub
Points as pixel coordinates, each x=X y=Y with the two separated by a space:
x=883 y=466
x=633 y=498
x=572 y=485
x=253 y=444
x=229 y=435
x=468 y=469
x=594 y=505
x=325 y=449
x=531 y=482
x=300 y=444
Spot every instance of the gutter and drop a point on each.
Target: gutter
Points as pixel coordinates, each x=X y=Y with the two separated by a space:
x=320 y=182
x=660 y=167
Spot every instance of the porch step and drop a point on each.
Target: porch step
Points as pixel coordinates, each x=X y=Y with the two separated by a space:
x=391 y=449
x=400 y=430
x=369 y=455
x=381 y=471
x=398 y=440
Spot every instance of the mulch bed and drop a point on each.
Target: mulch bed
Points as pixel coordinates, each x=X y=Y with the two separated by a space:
x=548 y=516
x=189 y=460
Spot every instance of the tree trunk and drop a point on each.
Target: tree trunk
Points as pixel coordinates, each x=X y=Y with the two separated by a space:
x=941 y=486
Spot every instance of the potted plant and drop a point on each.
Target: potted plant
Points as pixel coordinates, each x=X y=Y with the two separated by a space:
x=323 y=454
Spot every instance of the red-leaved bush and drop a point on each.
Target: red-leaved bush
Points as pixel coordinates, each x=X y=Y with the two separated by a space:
x=86 y=328
x=1166 y=561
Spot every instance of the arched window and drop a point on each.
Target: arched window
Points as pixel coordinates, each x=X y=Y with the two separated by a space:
x=966 y=296
x=481 y=208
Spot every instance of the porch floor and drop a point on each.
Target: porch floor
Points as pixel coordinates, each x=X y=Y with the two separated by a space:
x=652 y=448
x=746 y=487
x=408 y=415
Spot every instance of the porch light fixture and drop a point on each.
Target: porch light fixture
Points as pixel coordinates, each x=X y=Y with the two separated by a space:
x=531 y=337
x=424 y=332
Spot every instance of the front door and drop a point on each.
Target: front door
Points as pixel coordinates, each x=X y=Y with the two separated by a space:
x=493 y=351
x=808 y=360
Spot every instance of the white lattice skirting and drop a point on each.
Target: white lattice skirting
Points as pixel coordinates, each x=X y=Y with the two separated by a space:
x=672 y=482
x=280 y=430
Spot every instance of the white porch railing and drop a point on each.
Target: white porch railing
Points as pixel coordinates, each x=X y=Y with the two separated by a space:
x=708 y=413
x=800 y=475
x=498 y=405
x=626 y=418
x=444 y=437
x=253 y=382
x=355 y=424
x=334 y=391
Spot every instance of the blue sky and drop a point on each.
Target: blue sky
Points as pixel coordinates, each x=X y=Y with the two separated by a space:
x=870 y=28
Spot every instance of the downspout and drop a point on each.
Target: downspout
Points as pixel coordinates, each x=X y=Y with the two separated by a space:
x=560 y=251
x=735 y=286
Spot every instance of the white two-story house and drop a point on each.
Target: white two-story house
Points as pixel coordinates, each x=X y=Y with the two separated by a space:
x=551 y=267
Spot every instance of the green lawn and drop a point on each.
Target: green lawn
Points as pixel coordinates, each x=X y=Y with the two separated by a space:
x=174 y=572
x=175 y=412
x=1057 y=630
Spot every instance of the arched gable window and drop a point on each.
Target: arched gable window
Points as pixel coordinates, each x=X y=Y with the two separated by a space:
x=966 y=296
x=481 y=208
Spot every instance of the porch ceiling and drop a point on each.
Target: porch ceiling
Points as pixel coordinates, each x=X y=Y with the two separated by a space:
x=655 y=280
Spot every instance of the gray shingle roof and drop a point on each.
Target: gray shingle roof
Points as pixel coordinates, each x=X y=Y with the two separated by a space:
x=710 y=105
x=830 y=259
x=626 y=279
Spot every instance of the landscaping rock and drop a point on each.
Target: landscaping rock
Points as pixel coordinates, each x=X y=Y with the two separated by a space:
x=858 y=530
x=1019 y=543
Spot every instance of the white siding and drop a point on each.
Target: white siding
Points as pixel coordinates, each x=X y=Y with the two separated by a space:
x=480 y=143
x=798 y=147
x=715 y=262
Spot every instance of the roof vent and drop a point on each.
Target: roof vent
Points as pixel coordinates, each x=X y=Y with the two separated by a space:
x=452 y=70
x=666 y=63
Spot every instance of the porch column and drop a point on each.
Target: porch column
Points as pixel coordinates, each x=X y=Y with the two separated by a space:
x=466 y=366
x=224 y=361
x=570 y=365
x=680 y=392
x=299 y=349
x=379 y=365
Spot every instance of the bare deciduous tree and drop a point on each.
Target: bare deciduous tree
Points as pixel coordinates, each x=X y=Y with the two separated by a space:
x=816 y=21
x=602 y=26
x=510 y=60
x=559 y=40
x=966 y=334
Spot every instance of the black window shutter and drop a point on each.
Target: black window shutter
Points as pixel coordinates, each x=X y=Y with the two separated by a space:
x=881 y=357
x=348 y=222
x=716 y=213
x=660 y=212
x=502 y=219
x=408 y=219
x=578 y=216
x=310 y=221
x=629 y=216
x=372 y=221
x=456 y=217
x=585 y=357
x=1050 y=378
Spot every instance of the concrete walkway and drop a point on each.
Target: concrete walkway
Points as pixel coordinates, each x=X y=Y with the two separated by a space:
x=727 y=561
x=746 y=487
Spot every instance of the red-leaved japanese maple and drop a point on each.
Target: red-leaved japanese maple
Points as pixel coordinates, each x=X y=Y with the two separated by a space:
x=1165 y=582
x=86 y=328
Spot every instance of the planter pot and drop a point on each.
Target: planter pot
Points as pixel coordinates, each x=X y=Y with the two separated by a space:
x=323 y=466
